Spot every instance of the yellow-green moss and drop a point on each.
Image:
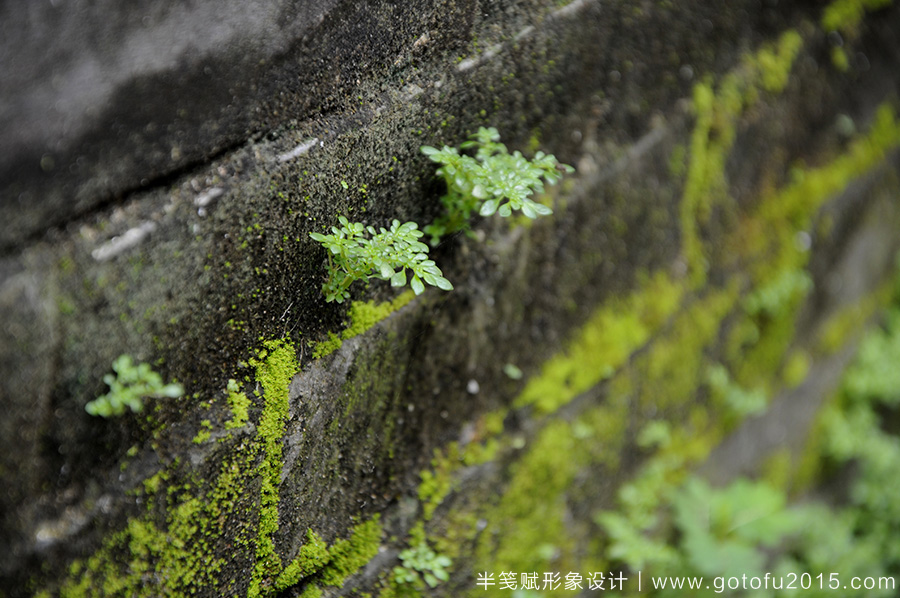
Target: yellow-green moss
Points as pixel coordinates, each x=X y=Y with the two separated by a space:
x=796 y=367
x=850 y=320
x=312 y=591
x=797 y=203
x=348 y=556
x=363 y=315
x=773 y=63
x=204 y=433
x=180 y=553
x=437 y=481
x=839 y=59
x=602 y=344
x=239 y=404
x=312 y=557
x=275 y=366
x=845 y=15
x=717 y=112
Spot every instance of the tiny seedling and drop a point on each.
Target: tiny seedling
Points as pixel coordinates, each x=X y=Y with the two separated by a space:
x=358 y=252
x=494 y=181
x=422 y=560
x=129 y=387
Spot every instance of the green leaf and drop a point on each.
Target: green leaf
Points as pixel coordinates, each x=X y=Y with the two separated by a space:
x=541 y=209
x=172 y=391
x=386 y=270
x=442 y=283
x=417 y=285
x=488 y=208
x=398 y=279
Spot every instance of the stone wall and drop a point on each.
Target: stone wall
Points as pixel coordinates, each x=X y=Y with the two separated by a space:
x=733 y=205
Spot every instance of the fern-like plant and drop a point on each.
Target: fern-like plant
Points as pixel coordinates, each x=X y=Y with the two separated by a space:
x=358 y=252
x=494 y=181
x=421 y=563
x=129 y=387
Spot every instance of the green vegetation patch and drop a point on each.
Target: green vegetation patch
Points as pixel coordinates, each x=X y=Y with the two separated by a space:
x=358 y=252
x=717 y=112
x=845 y=15
x=129 y=387
x=363 y=315
x=275 y=366
x=239 y=405
x=676 y=524
x=318 y=564
x=493 y=182
x=602 y=345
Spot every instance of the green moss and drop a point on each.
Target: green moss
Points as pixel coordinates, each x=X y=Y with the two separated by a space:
x=531 y=528
x=363 y=315
x=773 y=64
x=239 y=404
x=153 y=483
x=437 y=481
x=348 y=556
x=675 y=364
x=205 y=432
x=797 y=203
x=602 y=345
x=530 y=517
x=778 y=470
x=312 y=591
x=849 y=321
x=312 y=557
x=717 y=112
x=180 y=554
x=323 y=565
x=845 y=15
x=796 y=367
x=839 y=59
x=275 y=366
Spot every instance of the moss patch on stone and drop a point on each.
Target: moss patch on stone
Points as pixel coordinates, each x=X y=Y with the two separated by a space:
x=602 y=345
x=717 y=110
x=332 y=565
x=363 y=315
x=275 y=366
x=239 y=405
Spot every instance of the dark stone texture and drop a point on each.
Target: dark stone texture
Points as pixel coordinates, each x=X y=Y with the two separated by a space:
x=216 y=136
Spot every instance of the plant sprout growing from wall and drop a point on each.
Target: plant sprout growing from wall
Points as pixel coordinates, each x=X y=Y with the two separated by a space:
x=358 y=252
x=422 y=561
x=129 y=387
x=494 y=181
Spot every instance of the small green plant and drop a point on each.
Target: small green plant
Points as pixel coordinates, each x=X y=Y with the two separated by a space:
x=129 y=387
x=422 y=560
x=358 y=252
x=494 y=181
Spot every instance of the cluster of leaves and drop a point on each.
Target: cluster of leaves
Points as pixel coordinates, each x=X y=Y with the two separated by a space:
x=129 y=387
x=738 y=400
x=682 y=526
x=358 y=252
x=860 y=431
x=494 y=181
x=422 y=560
x=745 y=528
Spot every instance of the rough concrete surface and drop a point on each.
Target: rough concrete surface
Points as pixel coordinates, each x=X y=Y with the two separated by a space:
x=162 y=165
